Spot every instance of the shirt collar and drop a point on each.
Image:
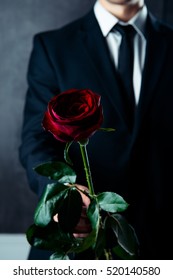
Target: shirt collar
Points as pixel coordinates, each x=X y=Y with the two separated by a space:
x=138 y=21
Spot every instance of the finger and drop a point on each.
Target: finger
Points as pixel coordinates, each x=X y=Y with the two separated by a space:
x=55 y=218
x=84 y=225
x=85 y=198
x=80 y=235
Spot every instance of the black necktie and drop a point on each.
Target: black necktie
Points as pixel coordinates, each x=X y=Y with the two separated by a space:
x=125 y=60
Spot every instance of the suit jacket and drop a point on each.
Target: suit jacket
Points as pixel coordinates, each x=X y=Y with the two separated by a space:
x=136 y=160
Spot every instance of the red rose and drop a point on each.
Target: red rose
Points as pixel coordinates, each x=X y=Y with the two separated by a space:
x=73 y=115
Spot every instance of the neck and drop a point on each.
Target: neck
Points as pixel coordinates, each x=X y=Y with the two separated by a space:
x=123 y=11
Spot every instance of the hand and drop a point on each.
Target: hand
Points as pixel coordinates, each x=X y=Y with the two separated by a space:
x=83 y=228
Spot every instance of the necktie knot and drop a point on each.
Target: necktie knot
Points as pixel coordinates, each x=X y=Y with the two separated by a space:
x=125 y=30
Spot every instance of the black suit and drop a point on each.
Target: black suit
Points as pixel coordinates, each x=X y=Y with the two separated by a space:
x=135 y=161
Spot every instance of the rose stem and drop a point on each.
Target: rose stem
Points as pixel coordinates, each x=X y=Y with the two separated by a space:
x=87 y=168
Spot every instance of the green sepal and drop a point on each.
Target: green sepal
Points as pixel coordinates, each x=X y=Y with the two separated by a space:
x=112 y=202
x=125 y=234
x=70 y=210
x=84 y=142
x=57 y=170
x=49 y=203
x=66 y=153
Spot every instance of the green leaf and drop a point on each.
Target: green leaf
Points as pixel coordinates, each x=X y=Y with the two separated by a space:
x=57 y=170
x=122 y=254
x=94 y=214
x=111 y=238
x=49 y=203
x=125 y=233
x=111 y=202
x=100 y=243
x=94 y=217
x=50 y=237
x=59 y=256
x=107 y=129
x=66 y=153
x=70 y=211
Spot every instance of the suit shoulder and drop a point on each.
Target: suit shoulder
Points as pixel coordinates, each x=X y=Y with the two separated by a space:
x=67 y=30
x=165 y=28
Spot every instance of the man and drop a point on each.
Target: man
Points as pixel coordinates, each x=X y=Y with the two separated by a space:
x=136 y=160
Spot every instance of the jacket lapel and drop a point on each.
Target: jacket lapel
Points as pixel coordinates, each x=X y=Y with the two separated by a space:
x=155 y=56
x=99 y=56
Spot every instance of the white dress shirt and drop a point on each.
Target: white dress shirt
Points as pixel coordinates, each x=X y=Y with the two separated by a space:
x=106 y=22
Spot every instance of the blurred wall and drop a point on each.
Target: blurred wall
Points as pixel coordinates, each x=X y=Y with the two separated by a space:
x=19 y=21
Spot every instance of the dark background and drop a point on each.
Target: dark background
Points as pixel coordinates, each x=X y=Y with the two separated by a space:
x=19 y=21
